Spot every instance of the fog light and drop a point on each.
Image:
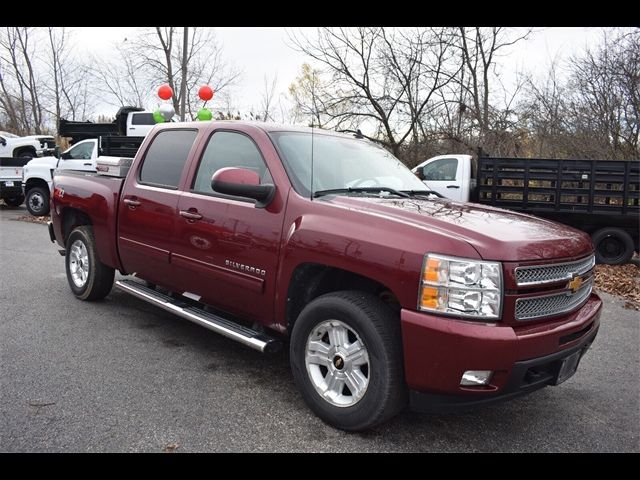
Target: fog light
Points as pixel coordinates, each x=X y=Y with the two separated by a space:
x=476 y=377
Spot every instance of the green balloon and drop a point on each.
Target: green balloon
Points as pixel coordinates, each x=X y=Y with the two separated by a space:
x=157 y=116
x=204 y=114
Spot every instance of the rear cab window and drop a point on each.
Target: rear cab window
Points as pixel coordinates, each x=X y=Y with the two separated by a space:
x=165 y=159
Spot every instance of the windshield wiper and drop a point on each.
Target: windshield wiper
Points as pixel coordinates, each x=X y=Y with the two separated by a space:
x=320 y=193
x=422 y=192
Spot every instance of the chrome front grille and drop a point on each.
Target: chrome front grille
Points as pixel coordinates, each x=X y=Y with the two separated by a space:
x=555 y=304
x=556 y=272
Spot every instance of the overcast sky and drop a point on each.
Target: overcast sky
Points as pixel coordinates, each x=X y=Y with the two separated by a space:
x=263 y=50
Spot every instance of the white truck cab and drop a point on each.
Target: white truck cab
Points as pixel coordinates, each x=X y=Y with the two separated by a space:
x=37 y=175
x=452 y=176
x=30 y=146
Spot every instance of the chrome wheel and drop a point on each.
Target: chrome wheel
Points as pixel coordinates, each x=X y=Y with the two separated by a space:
x=79 y=263
x=337 y=363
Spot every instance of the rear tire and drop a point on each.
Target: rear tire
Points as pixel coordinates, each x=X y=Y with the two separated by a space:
x=38 y=201
x=14 y=201
x=613 y=246
x=346 y=358
x=88 y=277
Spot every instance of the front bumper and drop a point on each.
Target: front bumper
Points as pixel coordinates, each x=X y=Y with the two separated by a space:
x=439 y=350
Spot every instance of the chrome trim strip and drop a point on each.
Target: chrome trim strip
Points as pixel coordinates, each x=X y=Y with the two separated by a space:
x=583 y=270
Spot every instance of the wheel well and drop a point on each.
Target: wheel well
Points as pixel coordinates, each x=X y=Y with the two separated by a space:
x=72 y=218
x=23 y=149
x=310 y=280
x=35 y=182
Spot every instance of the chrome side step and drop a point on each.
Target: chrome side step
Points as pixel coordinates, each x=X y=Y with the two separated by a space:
x=251 y=338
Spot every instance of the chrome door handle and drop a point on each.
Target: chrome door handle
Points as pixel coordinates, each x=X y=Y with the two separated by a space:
x=190 y=215
x=132 y=203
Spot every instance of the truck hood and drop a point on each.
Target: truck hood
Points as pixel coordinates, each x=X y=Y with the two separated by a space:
x=495 y=233
x=36 y=137
x=48 y=162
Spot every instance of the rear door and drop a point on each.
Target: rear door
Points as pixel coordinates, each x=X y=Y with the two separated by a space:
x=227 y=250
x=148 y=207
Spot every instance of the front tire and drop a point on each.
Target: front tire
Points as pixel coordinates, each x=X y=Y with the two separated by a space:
x=25 y=152
x=14 y=201
x=346 y=358
x=38 y=201
x=88 y=277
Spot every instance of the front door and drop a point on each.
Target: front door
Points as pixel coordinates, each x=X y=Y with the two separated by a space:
x=80 y=157
x=148 y=207
x=444 y=175
x=228 y=249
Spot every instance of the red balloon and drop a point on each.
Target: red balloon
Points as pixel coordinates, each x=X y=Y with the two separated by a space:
x=165 y=92
x=205 y=93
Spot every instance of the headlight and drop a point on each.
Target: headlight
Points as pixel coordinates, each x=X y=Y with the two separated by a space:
x=461 y=287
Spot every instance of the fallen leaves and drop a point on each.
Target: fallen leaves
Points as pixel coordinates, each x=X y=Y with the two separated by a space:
x=622 y=281
x=172 y=447
x=32 y=219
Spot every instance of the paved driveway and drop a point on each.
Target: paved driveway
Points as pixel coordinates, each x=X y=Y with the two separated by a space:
x=121 y=375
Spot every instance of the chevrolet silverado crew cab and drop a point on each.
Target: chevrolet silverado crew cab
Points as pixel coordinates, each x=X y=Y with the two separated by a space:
x=386 y=294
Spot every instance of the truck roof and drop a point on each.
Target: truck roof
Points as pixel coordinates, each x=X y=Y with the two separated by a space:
x=266 y=127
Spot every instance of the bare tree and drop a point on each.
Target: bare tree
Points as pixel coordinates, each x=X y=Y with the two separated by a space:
x=160 y=56
x=605 y=101
x=384 y=78
x=122 y=82
x=480 y=49
x=18 y=52
x=268 y=98
x=70 y=77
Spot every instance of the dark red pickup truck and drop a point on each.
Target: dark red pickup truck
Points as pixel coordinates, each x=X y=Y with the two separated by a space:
x=388 y=294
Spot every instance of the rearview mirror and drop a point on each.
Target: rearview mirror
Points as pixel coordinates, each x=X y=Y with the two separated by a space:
x=242 y=182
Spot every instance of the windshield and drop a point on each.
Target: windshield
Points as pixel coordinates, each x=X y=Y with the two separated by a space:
x=341 y=163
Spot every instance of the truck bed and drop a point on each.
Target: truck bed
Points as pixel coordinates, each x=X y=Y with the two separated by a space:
x=591 y=193
x=96 y=196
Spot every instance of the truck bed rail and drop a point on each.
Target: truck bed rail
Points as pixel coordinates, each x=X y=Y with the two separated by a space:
x=558 y=185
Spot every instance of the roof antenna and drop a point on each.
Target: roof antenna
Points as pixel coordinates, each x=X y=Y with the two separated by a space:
x=311 y=193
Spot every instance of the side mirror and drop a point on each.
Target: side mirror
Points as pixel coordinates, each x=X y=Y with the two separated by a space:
x=56 y=152
x=420 y=173
x=65 y=156
x=3 y=142
x=242 y=182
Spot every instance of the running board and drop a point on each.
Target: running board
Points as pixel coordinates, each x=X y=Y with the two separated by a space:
x=239 y=333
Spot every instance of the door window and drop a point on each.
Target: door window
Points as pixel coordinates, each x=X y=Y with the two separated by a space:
x=82 y=151
x=229 y=149
x=142 y=119
x=166 y=157
x=443 y=169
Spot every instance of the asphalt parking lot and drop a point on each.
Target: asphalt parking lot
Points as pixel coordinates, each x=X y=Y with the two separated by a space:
x=121 y=375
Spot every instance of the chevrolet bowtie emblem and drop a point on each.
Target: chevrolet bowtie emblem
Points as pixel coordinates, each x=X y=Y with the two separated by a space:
x=575 y=284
